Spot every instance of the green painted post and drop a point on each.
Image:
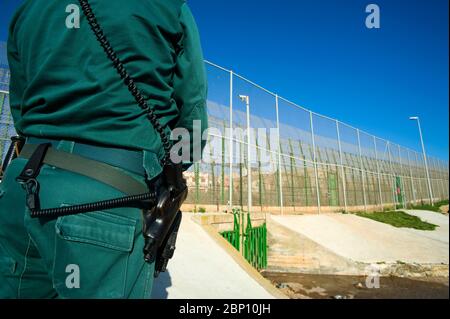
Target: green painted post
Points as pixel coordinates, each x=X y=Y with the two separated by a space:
x=355 y=195
x=269 y=179
x=292 y=164
x=319 y=160
x=2 y=102
x=222 y=188
x=260 y=179
x=213 y=177
x=287 y=179
x=277 y=178
x=337 y=178
x=197 y=184
x=241 y=187
x=305 y=173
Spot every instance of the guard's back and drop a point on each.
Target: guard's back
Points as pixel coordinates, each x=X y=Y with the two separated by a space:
x=70 y=89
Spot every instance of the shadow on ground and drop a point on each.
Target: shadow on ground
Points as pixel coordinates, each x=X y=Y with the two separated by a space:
x=161 y=286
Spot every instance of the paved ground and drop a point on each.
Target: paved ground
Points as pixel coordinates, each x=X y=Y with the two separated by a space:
x=201 y=269
x=441 y=233
x=364 y=240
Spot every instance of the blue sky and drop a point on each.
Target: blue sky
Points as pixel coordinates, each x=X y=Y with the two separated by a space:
x=320 y=55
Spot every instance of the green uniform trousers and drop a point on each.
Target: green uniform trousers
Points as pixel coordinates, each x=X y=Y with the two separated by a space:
x=94 y=255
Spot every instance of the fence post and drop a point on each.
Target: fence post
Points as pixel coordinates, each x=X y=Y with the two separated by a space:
x=446 y=178
x=411 y=177
x=344 y=179
x=401 y=176
x=441 y=172
x=393 y=182
x=419 y=173
x=315 y=161
x=363 y=175
x=231 y=140
x=378 y=172
x=249 y=161
x=279 y=155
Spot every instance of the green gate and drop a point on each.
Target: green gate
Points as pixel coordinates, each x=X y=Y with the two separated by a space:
x=253 y=240
x=333 y=190
x=399 y=190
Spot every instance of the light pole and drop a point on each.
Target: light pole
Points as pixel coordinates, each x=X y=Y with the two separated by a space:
x=416 y=118
x=246 y=100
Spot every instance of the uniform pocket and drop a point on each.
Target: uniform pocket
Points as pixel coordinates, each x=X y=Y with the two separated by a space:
x=92 y=254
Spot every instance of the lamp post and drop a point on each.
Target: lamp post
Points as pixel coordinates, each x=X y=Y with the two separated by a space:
x=246 y=100
x=416 y=118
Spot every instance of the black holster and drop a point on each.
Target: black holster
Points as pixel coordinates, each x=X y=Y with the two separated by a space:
x=161 y=223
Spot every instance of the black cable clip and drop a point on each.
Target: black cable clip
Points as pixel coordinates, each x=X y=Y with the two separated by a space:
x=28 y=177
x=32 y=189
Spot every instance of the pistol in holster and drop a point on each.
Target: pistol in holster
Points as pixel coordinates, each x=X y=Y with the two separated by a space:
x=162 y=222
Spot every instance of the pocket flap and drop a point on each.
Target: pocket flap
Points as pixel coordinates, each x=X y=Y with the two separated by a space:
x=98 y=228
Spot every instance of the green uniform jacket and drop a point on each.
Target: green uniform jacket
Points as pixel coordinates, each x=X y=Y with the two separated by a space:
x=64 y=87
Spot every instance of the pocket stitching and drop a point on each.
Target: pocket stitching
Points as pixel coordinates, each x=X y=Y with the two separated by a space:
x=129 y=221
x=124 y=248
x=94 y=242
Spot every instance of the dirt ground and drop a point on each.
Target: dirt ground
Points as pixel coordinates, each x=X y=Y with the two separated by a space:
x=300 y=286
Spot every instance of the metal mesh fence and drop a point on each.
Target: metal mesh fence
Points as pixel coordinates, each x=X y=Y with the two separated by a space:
x=273 y=155
x=312 y=164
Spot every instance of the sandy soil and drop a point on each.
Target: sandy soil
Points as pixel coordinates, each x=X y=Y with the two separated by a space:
x=301 y=286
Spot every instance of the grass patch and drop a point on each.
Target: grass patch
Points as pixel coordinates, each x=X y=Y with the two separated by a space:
x=399 y=219
x=434 y=208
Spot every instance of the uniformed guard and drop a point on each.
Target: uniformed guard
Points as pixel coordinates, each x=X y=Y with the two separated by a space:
x=90 y=207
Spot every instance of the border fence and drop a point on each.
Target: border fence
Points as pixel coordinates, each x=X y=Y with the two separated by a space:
x=314 y=164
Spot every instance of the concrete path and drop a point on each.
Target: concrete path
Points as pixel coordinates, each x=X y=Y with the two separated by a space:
x=441 y=233
x=364 y=240
x=201 y=269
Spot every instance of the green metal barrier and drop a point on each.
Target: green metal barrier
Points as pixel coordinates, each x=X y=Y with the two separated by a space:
x=234 y=236
x=255 y=245
x=253 y=239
